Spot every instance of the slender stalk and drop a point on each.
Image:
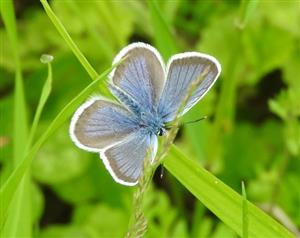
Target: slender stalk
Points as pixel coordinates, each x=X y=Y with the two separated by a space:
x=138 y=226
x=244 y=212
x=277 y=184
x=43 y=99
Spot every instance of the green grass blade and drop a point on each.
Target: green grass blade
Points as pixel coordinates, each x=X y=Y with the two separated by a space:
x=10 y=186
x=104 y=9
x=223 y=201
x=43 y=99
x=65 y=35
x=246 y=9
x=95 y=35
x=244 y=212
x=163 y=37
x=18 y=222
x=8 y=16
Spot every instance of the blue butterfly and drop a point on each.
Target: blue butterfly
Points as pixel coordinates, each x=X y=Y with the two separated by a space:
x=149 y=96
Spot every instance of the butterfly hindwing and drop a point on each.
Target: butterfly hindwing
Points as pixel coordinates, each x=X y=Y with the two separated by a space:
x=125 y=160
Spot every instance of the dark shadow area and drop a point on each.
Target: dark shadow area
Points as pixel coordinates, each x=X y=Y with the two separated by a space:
x=254 y=106
x=56 y=210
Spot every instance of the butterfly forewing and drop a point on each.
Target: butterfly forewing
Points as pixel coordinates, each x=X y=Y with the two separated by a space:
x=141 y=75
x=182 y=70
x=98 y=124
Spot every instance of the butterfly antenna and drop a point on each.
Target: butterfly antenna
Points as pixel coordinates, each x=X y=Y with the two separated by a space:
x=194 y=121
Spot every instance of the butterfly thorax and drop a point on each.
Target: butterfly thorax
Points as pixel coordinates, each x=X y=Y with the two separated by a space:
x=151 y=123
x=147 y=119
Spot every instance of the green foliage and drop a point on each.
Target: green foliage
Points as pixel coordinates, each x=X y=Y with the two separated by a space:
x=252 y=133
x=220 y=199
x=54 y=166
x=69 y=40
x=18 y=221
x=162 y=32
x=11 y=185
x=245 y=214
x=87 y=216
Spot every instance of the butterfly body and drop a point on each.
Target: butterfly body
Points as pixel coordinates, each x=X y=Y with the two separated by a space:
x=151 y=123
x=150 y=96
x=148 y=120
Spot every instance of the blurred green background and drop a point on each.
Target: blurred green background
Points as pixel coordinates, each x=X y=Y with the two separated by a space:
x=252 y=133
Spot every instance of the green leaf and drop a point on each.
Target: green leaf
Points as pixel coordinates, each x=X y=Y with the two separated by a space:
x=95 y=35
x=284 y=14
x=246 y=9
x=18 y=222
x=62 y=231
x=54 y=166
x=163 y=37
x=205 y=229
x=259 y=44
x=161 y=216
x=91 y=217
x=224 y=202
x=278 y=109
x=10 y=186
x=221 y=230
x=81 y=189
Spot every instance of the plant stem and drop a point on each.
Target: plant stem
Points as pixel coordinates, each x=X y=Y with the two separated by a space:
x=277 y=184
x=138 y=226
x=244 y=212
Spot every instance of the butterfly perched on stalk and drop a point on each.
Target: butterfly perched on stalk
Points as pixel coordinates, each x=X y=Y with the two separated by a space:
x=149 y=96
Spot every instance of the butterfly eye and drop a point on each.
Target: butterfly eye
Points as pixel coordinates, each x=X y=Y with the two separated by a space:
x=161 y=131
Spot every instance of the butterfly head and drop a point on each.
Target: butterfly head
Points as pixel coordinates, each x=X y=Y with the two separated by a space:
x=161 y=131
